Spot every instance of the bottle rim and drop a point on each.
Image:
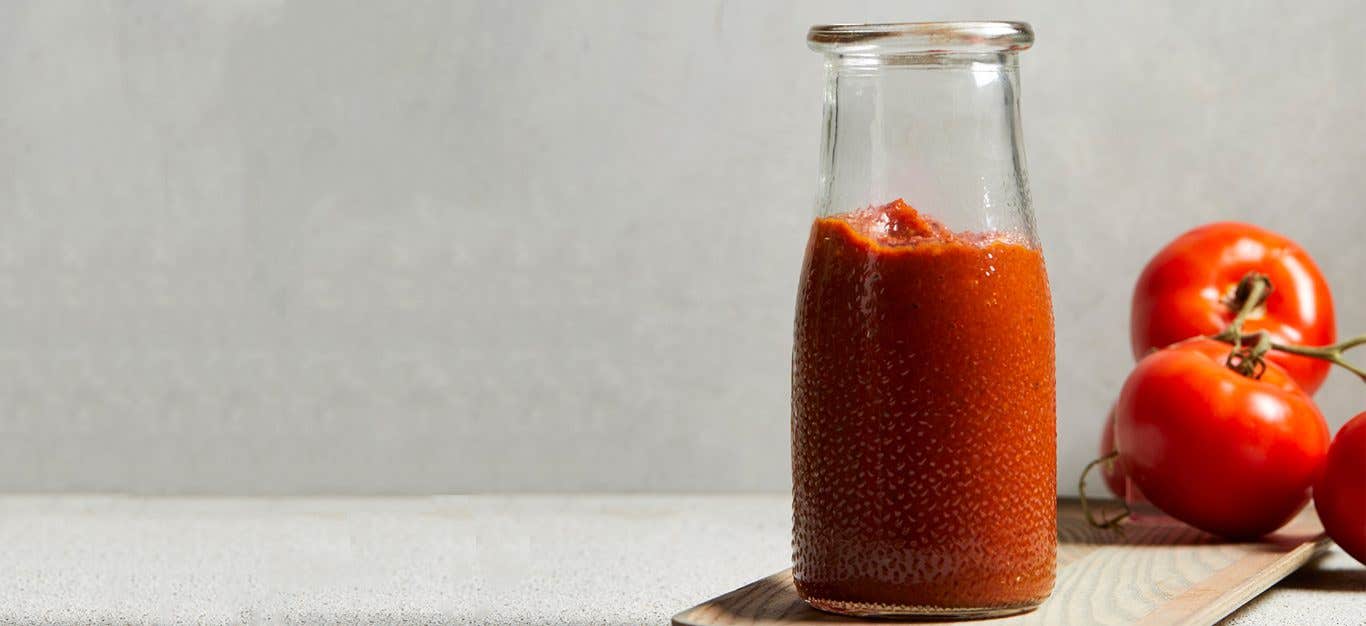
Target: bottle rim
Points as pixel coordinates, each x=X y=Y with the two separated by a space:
x=920 y=38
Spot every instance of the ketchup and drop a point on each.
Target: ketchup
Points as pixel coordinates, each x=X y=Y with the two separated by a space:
x=923 y=417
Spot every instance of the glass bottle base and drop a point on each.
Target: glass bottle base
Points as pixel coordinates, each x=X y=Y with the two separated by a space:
x=877 y=609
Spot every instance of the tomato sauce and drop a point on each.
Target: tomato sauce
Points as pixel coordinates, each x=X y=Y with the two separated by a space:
x=923 y=417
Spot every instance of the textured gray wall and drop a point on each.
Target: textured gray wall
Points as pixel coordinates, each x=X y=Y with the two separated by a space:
x=269 y=246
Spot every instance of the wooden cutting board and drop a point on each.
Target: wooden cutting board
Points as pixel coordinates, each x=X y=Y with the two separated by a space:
x=1156 y=573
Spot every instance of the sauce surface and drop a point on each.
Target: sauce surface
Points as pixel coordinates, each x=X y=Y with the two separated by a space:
x=923 y=416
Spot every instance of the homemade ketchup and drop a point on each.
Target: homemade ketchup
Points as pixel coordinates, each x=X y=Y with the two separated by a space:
x=922 y=418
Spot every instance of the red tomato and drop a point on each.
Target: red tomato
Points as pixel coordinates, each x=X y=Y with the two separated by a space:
x=1340 y=495
x=1183 y=293
x=1231 y=455
x=1114 y=479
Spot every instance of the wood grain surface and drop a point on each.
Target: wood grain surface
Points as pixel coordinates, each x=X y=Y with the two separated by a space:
x=1155 y=573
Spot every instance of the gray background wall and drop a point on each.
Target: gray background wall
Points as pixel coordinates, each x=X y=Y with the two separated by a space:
x=285 y=246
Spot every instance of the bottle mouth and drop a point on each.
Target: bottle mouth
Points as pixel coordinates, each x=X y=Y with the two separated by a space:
x=920 y=38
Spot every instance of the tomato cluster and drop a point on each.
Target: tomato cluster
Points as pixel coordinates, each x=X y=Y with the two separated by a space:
x=1215 y=431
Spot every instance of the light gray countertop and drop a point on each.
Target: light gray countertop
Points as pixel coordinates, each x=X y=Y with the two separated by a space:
x=588 y=559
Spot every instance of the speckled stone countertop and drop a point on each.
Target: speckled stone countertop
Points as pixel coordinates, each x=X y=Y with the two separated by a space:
x=591 y=559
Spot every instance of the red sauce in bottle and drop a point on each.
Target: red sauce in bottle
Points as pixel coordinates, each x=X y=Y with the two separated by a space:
x=923 y=418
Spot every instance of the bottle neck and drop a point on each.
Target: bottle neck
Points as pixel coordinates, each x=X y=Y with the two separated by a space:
x=940 y=131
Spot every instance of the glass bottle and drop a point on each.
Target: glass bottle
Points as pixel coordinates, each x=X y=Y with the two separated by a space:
x=923 y=380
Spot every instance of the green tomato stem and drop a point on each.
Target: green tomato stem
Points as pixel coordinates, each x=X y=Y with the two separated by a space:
x=1332 y=354
x=1105 y=524
x=1250 y=294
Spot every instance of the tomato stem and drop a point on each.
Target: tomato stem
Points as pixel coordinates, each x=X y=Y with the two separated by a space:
x=1250 y=294
x=1333 y=353
x=1248 y=360
x=1105 y=524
